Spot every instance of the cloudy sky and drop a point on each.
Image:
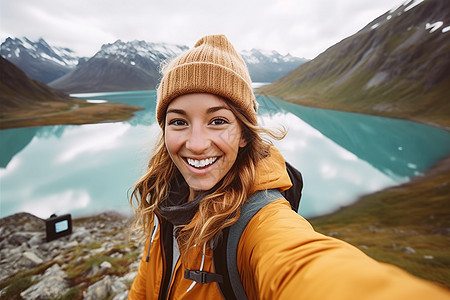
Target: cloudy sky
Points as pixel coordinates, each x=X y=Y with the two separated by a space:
x=304 y=28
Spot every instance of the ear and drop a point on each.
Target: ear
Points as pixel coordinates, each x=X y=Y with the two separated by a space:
x=242 y=142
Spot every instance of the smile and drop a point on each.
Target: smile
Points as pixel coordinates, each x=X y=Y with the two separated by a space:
x=201 y=163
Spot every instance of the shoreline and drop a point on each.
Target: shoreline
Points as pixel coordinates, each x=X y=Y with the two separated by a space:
x=78 y=112
x=444 y=124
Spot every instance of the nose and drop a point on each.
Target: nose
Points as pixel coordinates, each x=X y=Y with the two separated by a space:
x=198 y=140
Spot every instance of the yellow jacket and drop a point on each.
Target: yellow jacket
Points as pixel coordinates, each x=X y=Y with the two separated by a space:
x=280 y=256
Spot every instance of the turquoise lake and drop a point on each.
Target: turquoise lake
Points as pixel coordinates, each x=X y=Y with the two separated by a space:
x=88 y=169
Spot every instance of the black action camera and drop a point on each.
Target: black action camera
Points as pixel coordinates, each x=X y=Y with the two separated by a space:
x=58 y=226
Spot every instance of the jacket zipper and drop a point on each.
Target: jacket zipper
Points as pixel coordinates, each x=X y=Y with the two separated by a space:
x=164 y=287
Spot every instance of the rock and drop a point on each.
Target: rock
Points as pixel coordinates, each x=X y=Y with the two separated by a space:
x=79 y=234
x=98 y=250
x=51 y=285
x=105 y=265
x=121 y=296
x=23 y=247
x=36 y=240
x=129 y=278
x=18 y=238
x=118 y=287
x=99 y=290
x=409 y=250
x=86 y=240
x=71 y=244
x=107 y=287
x=33 y=258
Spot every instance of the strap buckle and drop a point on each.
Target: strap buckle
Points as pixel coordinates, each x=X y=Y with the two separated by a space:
x=202 y=276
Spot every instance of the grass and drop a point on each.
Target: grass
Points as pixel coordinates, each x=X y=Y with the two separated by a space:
x=20 y=281
x=83 y=271
x=58 y=113
x=388 y=224
x=82 y=267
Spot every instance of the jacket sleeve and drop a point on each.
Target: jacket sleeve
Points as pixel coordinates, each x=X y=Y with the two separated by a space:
x=280 y=256
x=138 y=288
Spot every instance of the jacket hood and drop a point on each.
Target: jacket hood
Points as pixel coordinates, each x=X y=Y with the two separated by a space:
x=271 y=173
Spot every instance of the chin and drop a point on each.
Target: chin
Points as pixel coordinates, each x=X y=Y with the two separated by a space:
x=201 y=186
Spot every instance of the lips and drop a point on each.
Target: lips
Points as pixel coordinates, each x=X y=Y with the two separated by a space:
x=202 y=163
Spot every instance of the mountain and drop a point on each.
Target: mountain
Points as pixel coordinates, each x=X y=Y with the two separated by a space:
x=265 y=66
x=119 y=66
x=135 y=66
x=18 y=91
x=398 y=66
x=39 y=60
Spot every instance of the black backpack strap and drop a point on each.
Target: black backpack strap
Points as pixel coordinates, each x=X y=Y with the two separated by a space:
x=294 y=194
x=249 y=209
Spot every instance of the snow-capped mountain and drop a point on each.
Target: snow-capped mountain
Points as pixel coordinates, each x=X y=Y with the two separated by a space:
x=132 y=52
x=267 y=66
x=123 y=66
x=120 y=66
x=39 y=60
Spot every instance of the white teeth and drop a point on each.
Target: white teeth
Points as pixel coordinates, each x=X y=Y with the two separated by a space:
x=201 y=163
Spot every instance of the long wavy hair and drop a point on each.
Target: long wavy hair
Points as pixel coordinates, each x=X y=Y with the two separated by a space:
x=217 y=210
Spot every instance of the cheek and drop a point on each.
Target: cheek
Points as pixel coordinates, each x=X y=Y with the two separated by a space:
x=172 y=143
x=231 y=139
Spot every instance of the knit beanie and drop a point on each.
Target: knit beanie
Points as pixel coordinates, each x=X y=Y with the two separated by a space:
x=211 y=66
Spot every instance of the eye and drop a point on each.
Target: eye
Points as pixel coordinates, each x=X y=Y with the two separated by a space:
x=178 y=122
x=219 y=121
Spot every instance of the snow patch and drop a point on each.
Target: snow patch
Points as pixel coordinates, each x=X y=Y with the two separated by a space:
x=433 y=27
x=377 y=79
x=414 y=4
x=375 y=26
x=54 y=59
x=445 y=29
x=96 y=101
x=126 y=51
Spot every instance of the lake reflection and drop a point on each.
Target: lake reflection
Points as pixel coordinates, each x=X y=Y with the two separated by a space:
x=89 y=168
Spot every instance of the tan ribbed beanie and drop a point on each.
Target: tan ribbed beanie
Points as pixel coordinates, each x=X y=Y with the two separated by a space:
x=212 y=66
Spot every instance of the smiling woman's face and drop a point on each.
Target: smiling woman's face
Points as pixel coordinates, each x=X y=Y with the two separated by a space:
x=203 y=137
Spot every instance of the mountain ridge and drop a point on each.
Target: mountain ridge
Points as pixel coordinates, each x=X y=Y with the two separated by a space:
x=25 y=102
x=397 y=66
x=38 y=59
x=18 y=91
x=121 y=66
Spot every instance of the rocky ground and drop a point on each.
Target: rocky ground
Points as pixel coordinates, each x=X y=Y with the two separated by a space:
x=99 y=260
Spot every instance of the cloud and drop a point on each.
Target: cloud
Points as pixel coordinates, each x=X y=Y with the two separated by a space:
x=304 y=28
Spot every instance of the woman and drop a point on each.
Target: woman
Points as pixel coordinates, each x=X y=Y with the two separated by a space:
x=208 y=162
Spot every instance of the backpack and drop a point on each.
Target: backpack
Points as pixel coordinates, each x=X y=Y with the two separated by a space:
x=225 y=252
x=225 y=248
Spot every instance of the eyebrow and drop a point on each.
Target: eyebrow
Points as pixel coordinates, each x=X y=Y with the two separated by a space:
x=176 y=111
x=216 y=108
x=208 y=111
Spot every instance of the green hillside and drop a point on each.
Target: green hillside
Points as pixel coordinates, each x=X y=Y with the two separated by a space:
x=396 y=66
